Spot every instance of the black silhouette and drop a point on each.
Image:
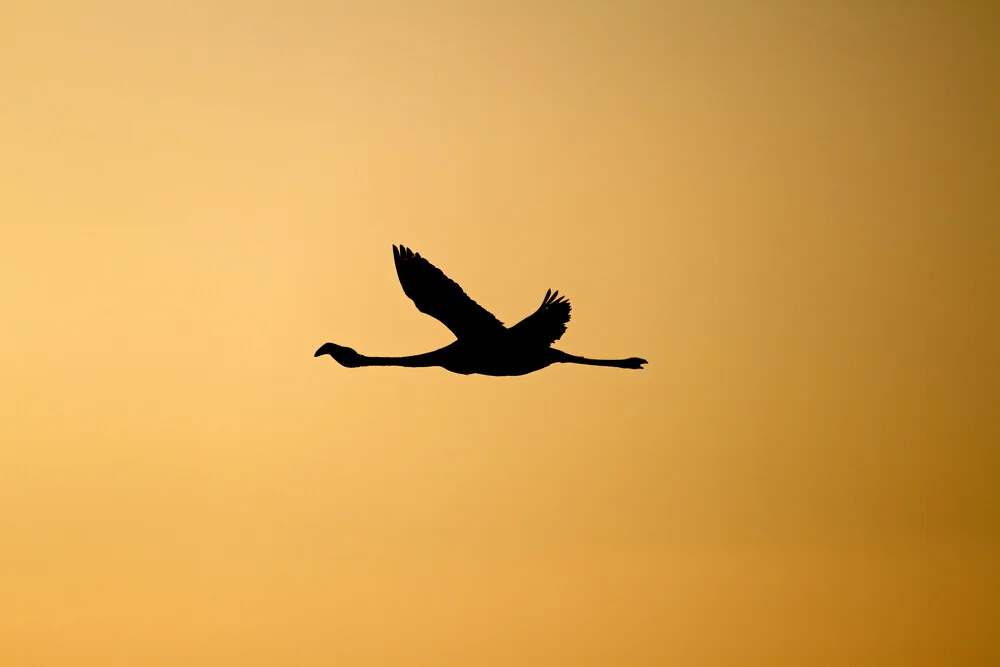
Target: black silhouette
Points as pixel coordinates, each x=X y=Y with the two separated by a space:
x=484 y=345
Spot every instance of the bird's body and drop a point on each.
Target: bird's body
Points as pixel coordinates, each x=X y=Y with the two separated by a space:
x=502 y=357
x=484 y=345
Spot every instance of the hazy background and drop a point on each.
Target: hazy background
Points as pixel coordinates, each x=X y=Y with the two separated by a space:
x=790 y=209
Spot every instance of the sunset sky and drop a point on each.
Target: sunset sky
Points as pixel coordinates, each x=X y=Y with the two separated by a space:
x=790 y=209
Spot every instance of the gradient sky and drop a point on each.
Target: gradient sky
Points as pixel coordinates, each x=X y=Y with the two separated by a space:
x=790 y=209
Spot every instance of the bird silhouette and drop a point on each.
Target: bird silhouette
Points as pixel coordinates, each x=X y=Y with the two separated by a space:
x=483 y=344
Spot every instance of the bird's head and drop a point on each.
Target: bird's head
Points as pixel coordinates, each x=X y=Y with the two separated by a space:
x=345 y=356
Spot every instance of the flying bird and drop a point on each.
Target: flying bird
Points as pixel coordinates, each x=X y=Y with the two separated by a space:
x=483 y=344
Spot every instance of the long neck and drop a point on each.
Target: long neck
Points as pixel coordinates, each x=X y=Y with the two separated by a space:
x=413 y=361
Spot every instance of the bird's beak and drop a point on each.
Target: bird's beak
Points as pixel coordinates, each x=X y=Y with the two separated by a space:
x=319 y=352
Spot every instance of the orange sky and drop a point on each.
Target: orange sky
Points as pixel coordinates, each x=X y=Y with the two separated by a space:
x=789 y=209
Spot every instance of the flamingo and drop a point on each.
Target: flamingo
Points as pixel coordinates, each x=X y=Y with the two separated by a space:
x=483 y=344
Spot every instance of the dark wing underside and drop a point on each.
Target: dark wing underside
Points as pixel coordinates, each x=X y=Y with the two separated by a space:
x=547 y=324
x=440 y=297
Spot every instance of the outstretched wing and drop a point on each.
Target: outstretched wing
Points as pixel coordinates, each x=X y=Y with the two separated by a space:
x=547 y=324
x=440 y=297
